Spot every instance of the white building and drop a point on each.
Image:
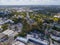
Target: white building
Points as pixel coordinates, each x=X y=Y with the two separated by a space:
x=10 y=33
x=24 y=40
x=58 y=15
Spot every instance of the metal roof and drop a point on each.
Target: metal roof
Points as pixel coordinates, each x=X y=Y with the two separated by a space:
x=22 y=39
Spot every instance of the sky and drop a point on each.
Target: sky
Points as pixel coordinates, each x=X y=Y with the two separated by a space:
x=29 y=2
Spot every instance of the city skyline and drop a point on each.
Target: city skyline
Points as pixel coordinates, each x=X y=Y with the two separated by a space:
x=29 y=2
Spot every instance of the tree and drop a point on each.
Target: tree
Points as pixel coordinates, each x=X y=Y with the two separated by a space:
x=55 y=19
x=4 y=26
x=15 y=20
x=26 y=27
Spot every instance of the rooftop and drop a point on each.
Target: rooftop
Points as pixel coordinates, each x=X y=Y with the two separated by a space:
x=22 y=39
x=55 y=37
x=39 y=41
x=10 y=33
x=57 y=16
x=18 y=43
x=1 y=35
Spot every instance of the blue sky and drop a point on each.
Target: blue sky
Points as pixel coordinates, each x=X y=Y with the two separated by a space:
x=29 y=2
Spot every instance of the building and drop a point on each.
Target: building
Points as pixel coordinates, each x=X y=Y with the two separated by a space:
x=9 y=21
x=31 y=41
x=58 y=15
x=37 y=41
x=24 y=40
x=16 y=27
x=3 y=37
x=10 y=33
x=17 y=43
x=55 y=35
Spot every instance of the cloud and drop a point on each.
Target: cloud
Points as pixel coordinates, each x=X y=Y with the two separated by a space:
x=29 y=2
